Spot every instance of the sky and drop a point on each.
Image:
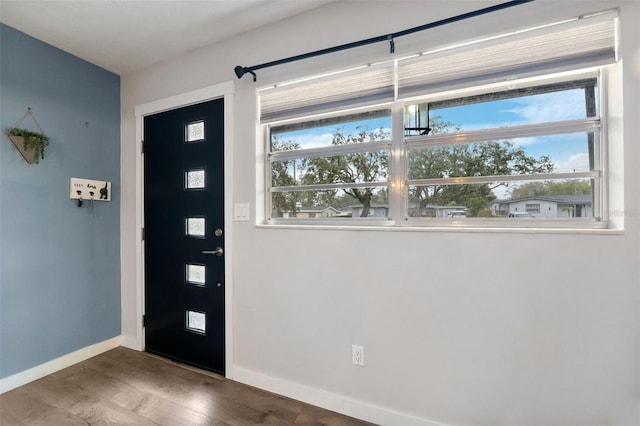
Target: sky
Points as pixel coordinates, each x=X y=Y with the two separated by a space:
x=568 y=152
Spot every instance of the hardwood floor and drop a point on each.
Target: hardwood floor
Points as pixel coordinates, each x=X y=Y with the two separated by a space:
x=125 y=387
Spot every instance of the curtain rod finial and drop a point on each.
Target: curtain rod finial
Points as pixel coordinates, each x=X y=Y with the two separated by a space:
x=241 y=71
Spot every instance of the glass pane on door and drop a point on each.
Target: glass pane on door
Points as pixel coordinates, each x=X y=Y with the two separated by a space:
x=194 y=179
x=196 y=274
x=196 y=321
x=195 y=227
x=194 y=132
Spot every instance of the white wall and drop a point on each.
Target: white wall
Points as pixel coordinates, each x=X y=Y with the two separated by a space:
x=455 y=328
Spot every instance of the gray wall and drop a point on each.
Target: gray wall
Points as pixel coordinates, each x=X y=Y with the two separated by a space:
x=459 y=326
x=59 y=264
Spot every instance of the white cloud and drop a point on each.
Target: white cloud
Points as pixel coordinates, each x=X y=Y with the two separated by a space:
x=556 y=106
x=576 y=163
x=313 y=140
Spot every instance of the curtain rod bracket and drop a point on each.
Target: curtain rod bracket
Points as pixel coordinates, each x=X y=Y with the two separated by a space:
x=392 y=44
x=240 y=70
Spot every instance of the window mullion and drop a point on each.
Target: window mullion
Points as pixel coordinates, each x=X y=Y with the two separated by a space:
x=397 y=166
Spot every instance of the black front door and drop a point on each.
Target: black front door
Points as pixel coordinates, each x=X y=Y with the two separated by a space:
x=184 y=234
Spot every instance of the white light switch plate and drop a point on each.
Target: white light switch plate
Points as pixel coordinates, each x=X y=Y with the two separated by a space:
x=82 y=188
x=241 y=212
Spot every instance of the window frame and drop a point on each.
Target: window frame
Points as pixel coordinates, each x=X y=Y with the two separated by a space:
x=589 y=124
x=304 y=153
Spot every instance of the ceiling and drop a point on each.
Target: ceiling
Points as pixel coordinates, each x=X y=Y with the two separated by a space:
x=124 y=36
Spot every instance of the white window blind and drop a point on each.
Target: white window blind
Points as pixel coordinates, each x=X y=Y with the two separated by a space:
x=367 y=86
x=570 y=45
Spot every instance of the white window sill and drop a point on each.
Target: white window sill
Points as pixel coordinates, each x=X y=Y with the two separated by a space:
x=456 y=226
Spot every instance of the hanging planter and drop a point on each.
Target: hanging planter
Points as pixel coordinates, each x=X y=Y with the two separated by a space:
x=30 y=144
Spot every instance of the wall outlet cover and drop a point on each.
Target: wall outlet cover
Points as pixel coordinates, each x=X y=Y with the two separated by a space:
x=357 y=355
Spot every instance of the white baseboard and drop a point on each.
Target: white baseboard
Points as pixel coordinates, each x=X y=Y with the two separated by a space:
x=330 y=401
x=57 y=364
x=131 y=343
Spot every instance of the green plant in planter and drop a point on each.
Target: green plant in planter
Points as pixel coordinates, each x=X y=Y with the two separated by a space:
x=32 y=140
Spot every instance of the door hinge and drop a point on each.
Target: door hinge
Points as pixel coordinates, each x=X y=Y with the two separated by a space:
x=142 y=147
x=142 y=236
x=144 y=320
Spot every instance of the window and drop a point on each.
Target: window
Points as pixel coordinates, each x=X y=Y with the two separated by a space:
x=472 y=149
x=337 y=166
x=532 y=208
x=488 y=153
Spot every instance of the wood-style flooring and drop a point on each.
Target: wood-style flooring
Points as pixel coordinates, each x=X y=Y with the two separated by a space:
x=125 y=387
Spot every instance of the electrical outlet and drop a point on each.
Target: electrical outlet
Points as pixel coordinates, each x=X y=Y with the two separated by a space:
x=357 y=355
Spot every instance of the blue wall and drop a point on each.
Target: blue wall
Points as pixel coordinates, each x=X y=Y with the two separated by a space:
x=59 y=264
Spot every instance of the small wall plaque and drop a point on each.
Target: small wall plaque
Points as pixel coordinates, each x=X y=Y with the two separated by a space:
x=88 y=190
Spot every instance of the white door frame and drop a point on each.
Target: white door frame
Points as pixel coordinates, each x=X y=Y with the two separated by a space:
x=217 y=91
